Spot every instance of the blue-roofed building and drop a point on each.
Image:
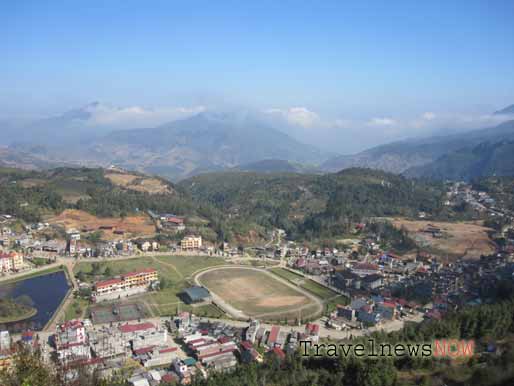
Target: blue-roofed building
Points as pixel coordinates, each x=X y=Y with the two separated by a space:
x=196 y=294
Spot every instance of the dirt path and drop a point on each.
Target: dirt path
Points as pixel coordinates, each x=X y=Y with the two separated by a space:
x=168 y=265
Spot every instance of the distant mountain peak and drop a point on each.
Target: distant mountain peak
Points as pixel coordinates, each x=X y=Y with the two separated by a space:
x=509 y=110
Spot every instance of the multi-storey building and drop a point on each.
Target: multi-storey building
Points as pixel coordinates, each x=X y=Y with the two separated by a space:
x=191 y=242
x=11 y=261
x=129 y=282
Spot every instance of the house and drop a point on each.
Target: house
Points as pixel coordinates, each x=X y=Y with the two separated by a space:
x=197 y=294
x=346 y=312
x=173 y=222
x=251 y=331
x=338 y=323
x=273 y=336
x=12 y=261
x=249 y=354
x=346 y=279
x=191 y=243
x=369 y=317
x=371 y=282
x=364 y=269
x=312 y=332
x=278 y=353
x=387 y=310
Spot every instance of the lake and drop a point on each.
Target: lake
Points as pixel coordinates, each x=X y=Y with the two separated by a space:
x=46 y=293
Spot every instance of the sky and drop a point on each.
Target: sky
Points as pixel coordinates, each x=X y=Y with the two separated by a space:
x=340 y=74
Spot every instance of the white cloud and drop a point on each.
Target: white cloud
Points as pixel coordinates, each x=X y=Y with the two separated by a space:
x=137 y=116
x=428 y=116
x=297 y=116
x=382 y=122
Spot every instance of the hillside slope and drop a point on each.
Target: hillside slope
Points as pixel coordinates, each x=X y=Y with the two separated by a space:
x=305 y=204
x=31 y=195
x=485 y=159
x=202 y=143
x=397 y=157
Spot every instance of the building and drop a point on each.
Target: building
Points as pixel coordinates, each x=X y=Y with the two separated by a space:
x=273 y=337
x=12 y=261
x=371 y=282
x=173 y=222
x=128 y=284
x=364 y=269
x=71 y=341
x=196 y=295
x=387 y=310
x=191 y=242
x=312 y=331
x=346 y=279
x=5 y=341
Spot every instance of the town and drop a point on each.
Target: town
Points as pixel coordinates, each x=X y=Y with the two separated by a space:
x=343 y=293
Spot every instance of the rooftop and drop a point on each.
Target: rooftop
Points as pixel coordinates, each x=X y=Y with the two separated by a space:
x=127 y=328
x=197 y=293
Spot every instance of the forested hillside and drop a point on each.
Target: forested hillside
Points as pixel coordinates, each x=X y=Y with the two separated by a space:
x=312 y=205
x=485 y=159
x=31 y=195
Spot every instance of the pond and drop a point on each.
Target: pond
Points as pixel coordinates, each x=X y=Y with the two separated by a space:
x=45 y=292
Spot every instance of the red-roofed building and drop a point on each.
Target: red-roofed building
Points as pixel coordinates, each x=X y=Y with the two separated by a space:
x=312 y=331
x=129 y=281
x=273 y=335
x=143 y=350
x=246 y=344
x=132 y=328
x=279 y=353
x=12 y=261
x=364 y=269
x=224 y=339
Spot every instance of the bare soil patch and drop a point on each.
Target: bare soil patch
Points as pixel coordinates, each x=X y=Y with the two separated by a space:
x=137 y=226
x=138 y=183
x=254 y=292
x=461 y=239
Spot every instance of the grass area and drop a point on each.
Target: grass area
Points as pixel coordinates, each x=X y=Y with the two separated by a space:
x=175 y=271
x=11 y=311
x=315 y=288
x=40 y=262
x=33 y=274
x=318 y=290
x=286 y=274
x=76 y=309
x=209 y=311
x=331 y=305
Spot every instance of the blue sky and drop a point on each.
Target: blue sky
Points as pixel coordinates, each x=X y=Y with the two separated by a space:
x=340 y=59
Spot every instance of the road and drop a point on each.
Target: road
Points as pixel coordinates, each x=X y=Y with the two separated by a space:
x=330 y=333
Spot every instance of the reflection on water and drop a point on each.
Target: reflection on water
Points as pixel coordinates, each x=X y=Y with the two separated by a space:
x=46 y=293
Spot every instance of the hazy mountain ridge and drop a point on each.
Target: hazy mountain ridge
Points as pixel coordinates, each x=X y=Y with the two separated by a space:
x=276 y=166
x=398 y=157
x=506 y=111
x=485 y=159
x=203 y=142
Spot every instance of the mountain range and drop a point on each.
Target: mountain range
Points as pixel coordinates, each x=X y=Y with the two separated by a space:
x=203 y=142
x=417 y=157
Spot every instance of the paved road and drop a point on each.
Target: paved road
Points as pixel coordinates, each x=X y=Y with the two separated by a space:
x=330 y=333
